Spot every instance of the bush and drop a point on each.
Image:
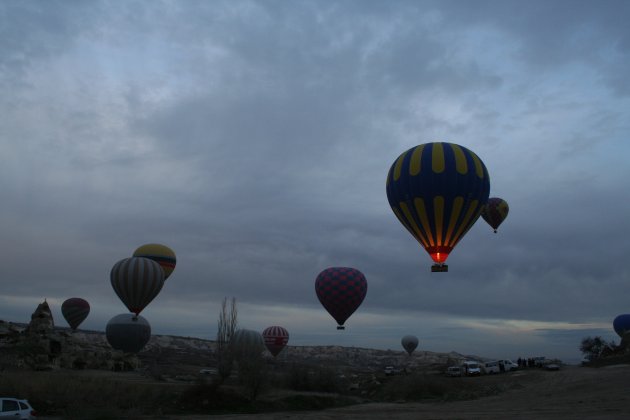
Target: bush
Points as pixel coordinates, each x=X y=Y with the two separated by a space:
x=81 y=396
x=423 y=386
x=297 y=378
x=595 y=347
x=320 y=379
x=252 y=374
x=210 y=398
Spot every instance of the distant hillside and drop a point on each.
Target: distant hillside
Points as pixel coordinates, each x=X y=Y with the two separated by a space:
x=189 y=353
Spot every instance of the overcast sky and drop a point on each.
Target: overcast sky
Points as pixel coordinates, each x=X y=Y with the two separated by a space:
x=254 y=139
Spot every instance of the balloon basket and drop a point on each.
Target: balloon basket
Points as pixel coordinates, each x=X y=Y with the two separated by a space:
x=439 y=268
x=341 y=327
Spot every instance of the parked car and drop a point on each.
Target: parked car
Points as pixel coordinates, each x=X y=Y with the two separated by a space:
x=454 y=371
x=471 y=368
x=15 y=408
x=391 y=370
x=507 y=365
x=490 y=367
x=552 y=366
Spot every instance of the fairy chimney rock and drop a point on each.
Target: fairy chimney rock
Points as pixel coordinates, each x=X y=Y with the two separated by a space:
x=41 y=320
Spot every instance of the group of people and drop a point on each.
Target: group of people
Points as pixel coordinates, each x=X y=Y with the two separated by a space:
x=529 y=362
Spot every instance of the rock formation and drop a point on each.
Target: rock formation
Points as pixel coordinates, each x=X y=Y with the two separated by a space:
x=41 y=320
x=41 y=346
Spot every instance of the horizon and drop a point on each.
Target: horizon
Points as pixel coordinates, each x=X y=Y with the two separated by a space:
x=568 y=361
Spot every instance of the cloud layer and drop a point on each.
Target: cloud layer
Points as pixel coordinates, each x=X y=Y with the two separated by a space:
x=254 y=139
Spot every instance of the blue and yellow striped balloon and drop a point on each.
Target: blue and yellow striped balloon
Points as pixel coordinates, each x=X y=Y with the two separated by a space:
x=437 y=191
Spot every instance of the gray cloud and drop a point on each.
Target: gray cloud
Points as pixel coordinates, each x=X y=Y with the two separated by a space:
x=254 y=139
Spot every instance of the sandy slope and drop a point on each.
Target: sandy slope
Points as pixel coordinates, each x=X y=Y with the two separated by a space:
x=572 y=393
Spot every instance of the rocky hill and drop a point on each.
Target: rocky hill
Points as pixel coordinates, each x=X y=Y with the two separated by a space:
x=58 y=347
x=42 y=346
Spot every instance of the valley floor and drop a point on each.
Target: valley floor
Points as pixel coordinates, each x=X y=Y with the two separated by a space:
x=571 y=393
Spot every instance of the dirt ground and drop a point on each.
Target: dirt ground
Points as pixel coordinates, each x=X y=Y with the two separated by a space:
x=571 y=393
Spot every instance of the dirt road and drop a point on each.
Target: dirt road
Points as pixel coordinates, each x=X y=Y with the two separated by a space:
x=571 y=393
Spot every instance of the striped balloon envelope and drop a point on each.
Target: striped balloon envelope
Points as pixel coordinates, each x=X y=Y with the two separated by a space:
x=341 y=291
x=495 y=211
x=137 y=281
x=437 y=191
x=246 y=344
x=276 y=338
x=159 y=253
x=74 y=311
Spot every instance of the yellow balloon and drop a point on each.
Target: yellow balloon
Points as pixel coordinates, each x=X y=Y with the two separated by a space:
x=159 y=253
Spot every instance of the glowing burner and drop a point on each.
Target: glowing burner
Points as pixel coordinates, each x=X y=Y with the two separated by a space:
x=439 y=254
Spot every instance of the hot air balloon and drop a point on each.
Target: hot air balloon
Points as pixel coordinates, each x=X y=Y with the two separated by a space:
x=409 y=343
x=159 y=253
x=75 y=310
x=437 y=191
x=495 y=211
x=276 y=338
x=137 y=281
x=621 y=324
x=341 y=291
x=128 y=333
x=246 y=343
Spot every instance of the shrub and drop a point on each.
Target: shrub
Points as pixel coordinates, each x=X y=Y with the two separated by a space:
x=595 y=347
x=80 y=396
x=320 y=379
x=425 y=386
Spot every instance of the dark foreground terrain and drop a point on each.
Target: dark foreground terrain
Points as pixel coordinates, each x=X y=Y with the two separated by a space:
x=570 y=393
x=175 y=378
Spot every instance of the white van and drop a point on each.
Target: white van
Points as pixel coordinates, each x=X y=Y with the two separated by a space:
x=454 y=371
x=471 y=368
x=490 y=367
x=507 y=365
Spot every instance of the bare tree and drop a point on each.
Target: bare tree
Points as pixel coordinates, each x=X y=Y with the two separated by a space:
x=247 y=347
x=252 y=374
x=226 y=327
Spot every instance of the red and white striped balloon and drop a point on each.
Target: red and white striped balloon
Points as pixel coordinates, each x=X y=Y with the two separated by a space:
x=276 y=338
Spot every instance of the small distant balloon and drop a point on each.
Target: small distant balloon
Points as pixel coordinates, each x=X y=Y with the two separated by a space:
x=137 y=281
x=75 y=310
x=409 y=343
x=128 y=333
x=341 y=291
x=621 y=324
x=276 y=338
x=159 y=253
x=495 y=211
